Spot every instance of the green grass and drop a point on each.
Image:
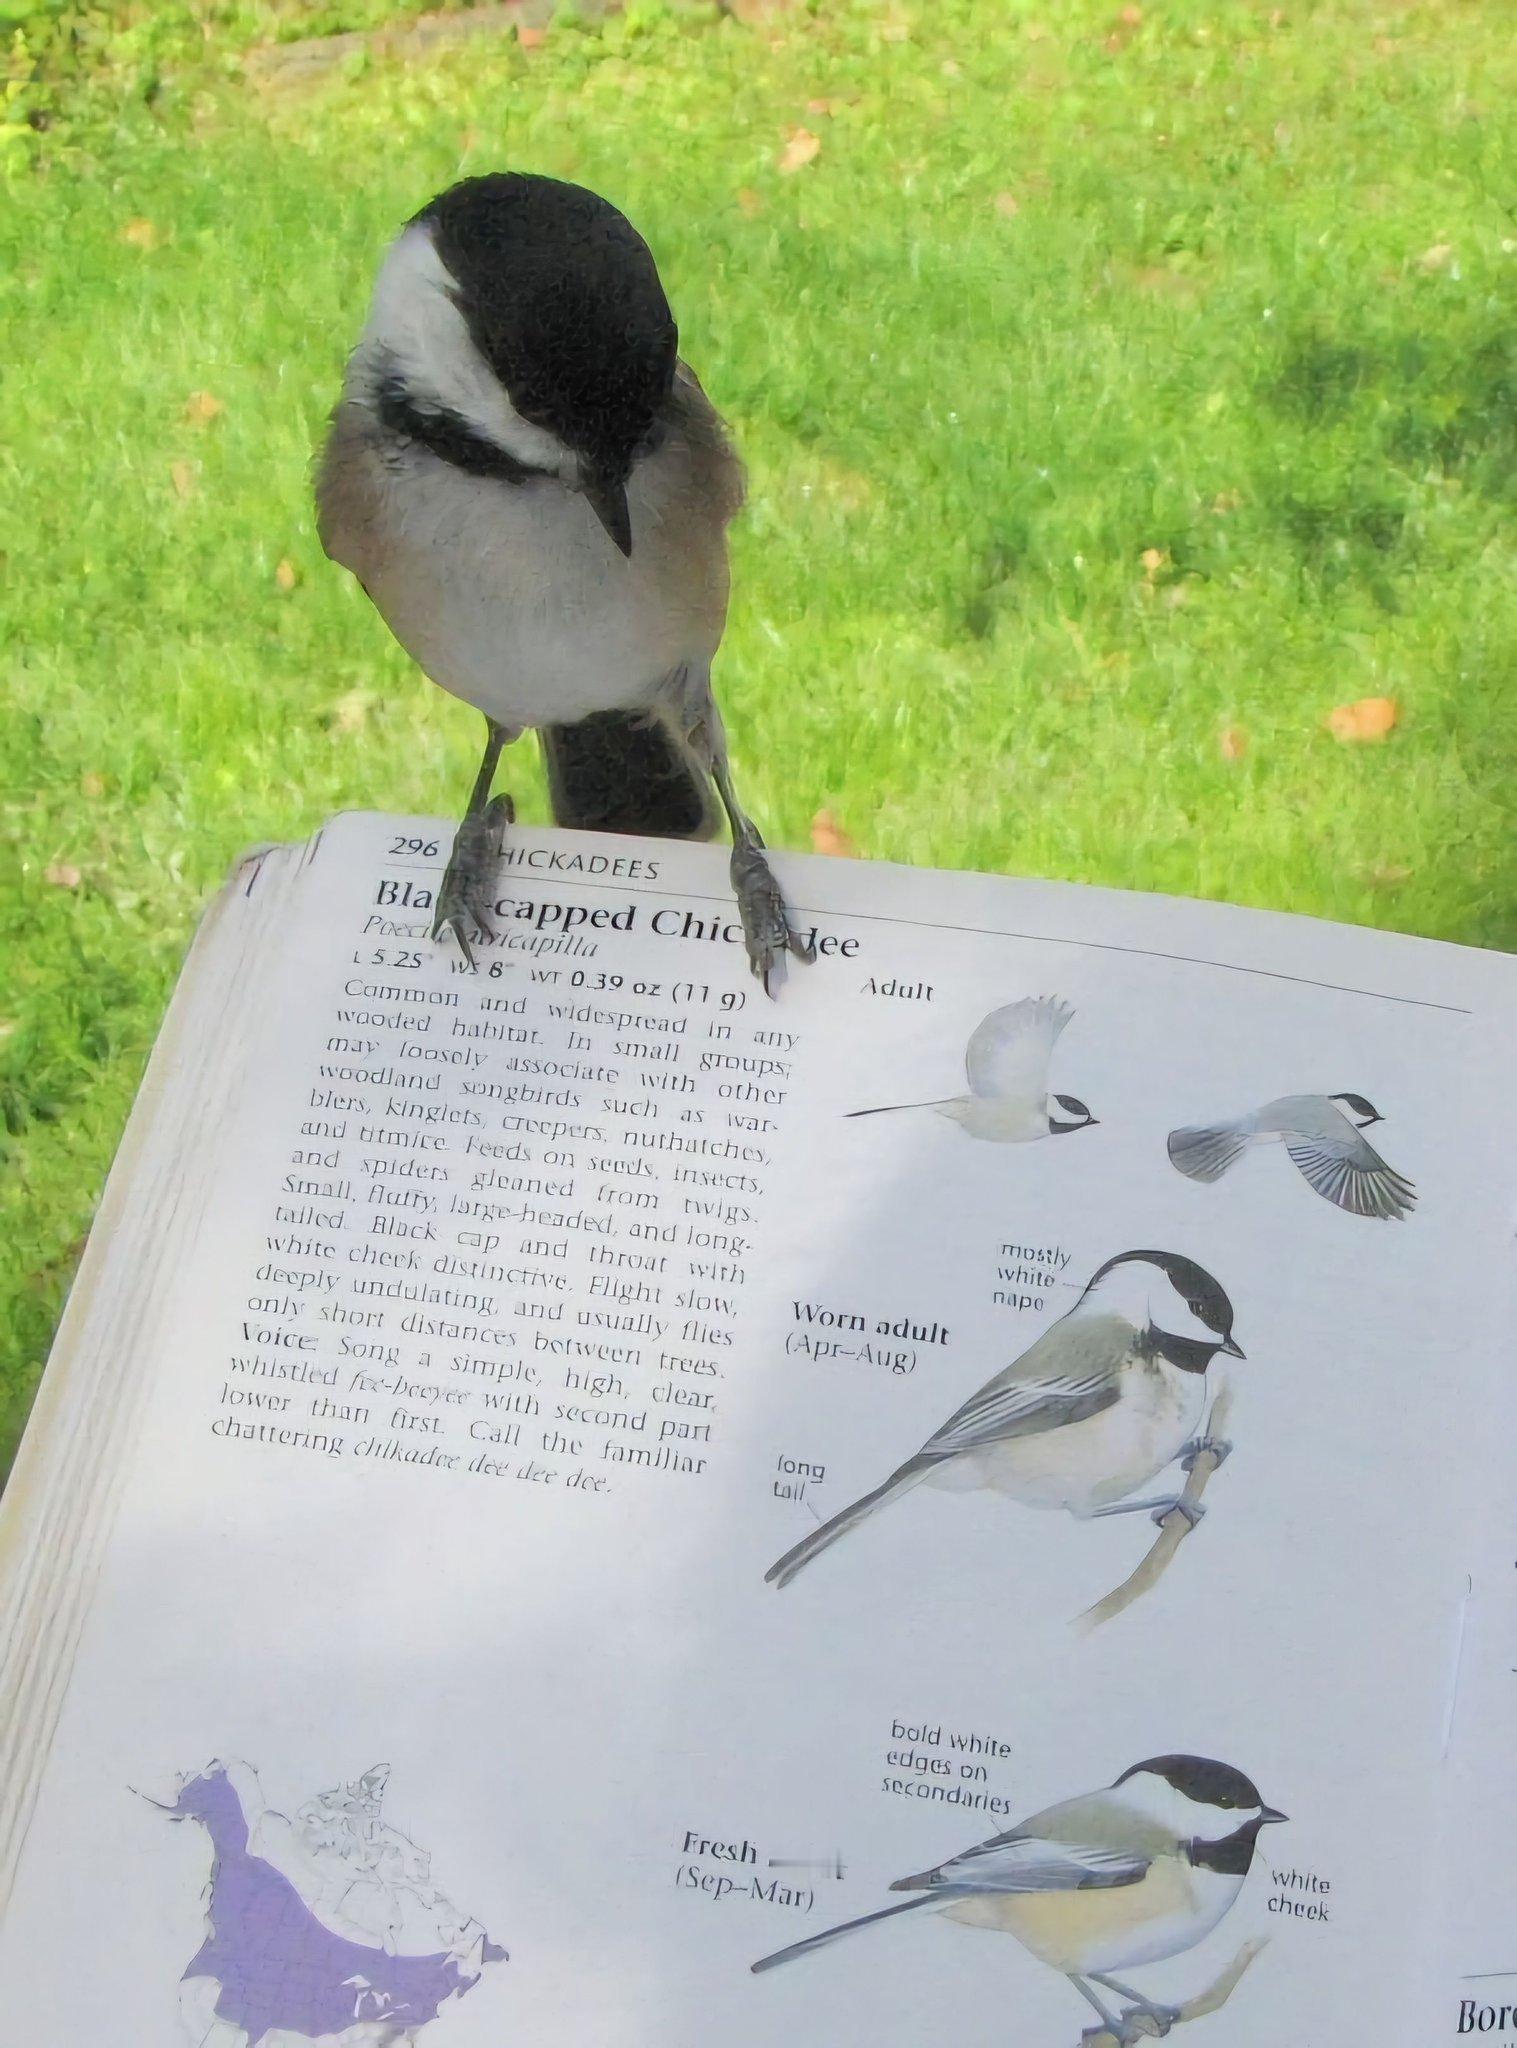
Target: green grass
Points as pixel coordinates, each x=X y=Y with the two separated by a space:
x=1252 y=312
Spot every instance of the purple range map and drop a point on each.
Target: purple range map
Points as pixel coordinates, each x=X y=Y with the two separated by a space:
x=276 y=1962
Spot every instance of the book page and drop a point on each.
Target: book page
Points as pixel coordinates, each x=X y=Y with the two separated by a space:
x=468 y=1662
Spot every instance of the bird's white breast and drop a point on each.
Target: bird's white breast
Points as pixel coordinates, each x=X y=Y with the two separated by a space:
x=1002 y=1119
x=1083 y=1466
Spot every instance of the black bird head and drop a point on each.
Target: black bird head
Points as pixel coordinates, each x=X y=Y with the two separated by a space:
x=561 y=296
x=1357 y=1106
x=1188 y=1316
x=1076 y=1116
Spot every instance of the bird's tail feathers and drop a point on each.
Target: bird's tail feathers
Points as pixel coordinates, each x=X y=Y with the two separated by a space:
x=889 y=1108
x=627 y=771
x=1206 y=1151
x=785 y=1569
x=802 y=1948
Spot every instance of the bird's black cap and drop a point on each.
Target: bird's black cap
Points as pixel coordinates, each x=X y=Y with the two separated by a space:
x=1201 y=1779
x=1205 y=1296
x=562 y=298
x=1360 y=1107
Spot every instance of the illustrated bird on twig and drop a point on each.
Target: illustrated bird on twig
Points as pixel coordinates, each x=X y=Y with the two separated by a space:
x=534 y=491
x=1007 y=1063
x=1099 y=1405
x=1110 y=1881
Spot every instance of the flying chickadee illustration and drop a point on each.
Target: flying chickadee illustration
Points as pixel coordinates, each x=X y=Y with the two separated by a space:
x=1110 y=1881
x=1099 y=1405
x=534 y=491
x=1007 y=1064
x=1327 y=1144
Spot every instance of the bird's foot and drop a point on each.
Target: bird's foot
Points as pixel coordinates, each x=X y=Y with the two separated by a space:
x=465 y=889
x=1193 y=1511
x=766 y=920
x=1138 y=2023
x=1220 y=1448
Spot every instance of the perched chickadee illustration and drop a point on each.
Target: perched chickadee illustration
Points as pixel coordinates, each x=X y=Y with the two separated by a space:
x=1007 y=1064
x=534 y=491
x=1100 y=1404
x=1325 y=1142
x=1110 y=1881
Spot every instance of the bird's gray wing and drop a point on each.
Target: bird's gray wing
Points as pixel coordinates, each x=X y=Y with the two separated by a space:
x=1022 y=1861
x=1071 y=1373
x=1010 y=1051
x=1346 y=1169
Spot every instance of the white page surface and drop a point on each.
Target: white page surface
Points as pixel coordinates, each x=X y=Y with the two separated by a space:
x=635 y=1764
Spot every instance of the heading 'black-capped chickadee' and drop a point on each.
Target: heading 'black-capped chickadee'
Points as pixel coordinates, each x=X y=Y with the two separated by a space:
x=1098 y=1406
x=534 y=491
x=1322 y=1140
x=1110 y=1881
x=1006 y=1064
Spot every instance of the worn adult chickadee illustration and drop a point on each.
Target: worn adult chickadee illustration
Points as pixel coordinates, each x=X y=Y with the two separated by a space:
x=1007 y=1064
x=1100 y=1404
x=1109 y=1881
x=534 y=491
x=1325 y=1142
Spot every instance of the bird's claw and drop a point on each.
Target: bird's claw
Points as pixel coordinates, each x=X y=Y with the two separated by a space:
x=464 y=891
x=1192 y=1510
x=767 y=929
x=1137 y=2024
x=1220 y=1448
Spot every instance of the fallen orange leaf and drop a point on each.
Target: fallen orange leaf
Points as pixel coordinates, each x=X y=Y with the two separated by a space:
x=750 y=202
x=286 y=575
x=1232 y=742
x=530 y=38
x=1006 y=205
x=202 y=407
x=1370 y=718
x=1153 y=560
x=801 y=148
x=140 y=234
x=62 y=874
x=828 y=836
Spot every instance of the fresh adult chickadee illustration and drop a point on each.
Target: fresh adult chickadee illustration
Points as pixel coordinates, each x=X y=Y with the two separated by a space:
x=1007 y=1064
x=1110 y=1881
x=1325 y=1142
x=1100 y=1404
x=534 y=491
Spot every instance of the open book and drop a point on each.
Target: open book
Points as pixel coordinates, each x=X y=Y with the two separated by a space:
x=540 y=1504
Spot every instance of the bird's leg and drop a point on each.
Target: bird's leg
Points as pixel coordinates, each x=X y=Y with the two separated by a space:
x=1163 y=2016
x=1110 y=2024
x=766 y=920
x=1158 y=1507
x=476 y=848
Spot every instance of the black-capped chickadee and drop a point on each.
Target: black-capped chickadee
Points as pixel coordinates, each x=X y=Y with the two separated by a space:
x=1099 y=1405
x=1110 y=1881
x=1006 y=1063
x=1323 y=1141
x=534 y=491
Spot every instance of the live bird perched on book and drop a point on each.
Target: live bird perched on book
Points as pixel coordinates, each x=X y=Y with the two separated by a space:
x=1326 y=1144
x=1006 y=1064
x=1099 y=1405
x=534 y=491
x=1110 y=1881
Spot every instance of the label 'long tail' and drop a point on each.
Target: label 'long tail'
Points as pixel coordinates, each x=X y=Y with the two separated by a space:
x=782 y=1572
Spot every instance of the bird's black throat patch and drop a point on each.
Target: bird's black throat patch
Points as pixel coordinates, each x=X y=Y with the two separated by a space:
x=561 y=296
x=447 y=435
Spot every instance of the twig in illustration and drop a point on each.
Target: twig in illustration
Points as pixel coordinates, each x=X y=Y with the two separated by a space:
x=1175 y=1524
x=1143 y=2026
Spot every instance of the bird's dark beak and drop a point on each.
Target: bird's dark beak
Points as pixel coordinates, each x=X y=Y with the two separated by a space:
x=1269 y=1814
x=1233 y=1349
x=607 y=496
